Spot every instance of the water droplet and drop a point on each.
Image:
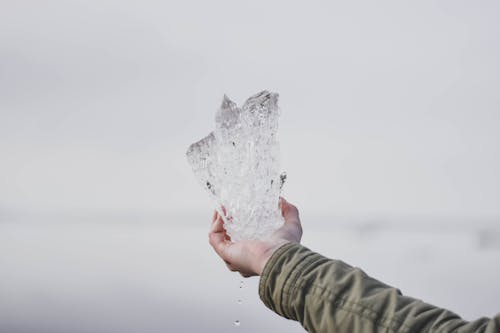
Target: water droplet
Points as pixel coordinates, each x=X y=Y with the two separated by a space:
x=237 y=323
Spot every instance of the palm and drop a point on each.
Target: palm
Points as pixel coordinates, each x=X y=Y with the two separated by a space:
x=249 y=256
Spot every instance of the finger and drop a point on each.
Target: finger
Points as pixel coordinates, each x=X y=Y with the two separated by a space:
x=219 y=244
x=217 y=238
x=217 y=225
x=214 y=217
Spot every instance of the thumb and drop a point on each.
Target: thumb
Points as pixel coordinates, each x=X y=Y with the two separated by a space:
x=290 y=212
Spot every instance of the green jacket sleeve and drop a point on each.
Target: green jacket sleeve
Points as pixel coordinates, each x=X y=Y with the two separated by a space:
x=327 y=295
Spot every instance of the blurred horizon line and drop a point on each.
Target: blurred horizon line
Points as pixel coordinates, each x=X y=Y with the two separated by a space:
x=376 y=222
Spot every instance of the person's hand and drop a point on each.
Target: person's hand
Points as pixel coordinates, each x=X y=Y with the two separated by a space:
x=250 y=256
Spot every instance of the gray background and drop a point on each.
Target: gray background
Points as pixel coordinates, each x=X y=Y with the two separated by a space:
x=389 y=135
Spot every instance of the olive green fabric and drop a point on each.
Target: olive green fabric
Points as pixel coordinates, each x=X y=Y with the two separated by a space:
x=327 y=295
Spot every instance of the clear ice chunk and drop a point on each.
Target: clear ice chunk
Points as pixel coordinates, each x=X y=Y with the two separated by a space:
x=238 y=163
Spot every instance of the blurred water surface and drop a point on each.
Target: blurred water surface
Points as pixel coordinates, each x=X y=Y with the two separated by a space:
x=147 y=276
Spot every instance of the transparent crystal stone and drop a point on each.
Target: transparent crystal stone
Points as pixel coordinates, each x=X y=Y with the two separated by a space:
x=238 y=164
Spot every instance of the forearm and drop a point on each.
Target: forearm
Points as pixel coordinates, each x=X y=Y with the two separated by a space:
x=327 y=295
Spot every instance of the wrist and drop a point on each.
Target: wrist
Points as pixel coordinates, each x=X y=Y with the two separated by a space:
x=267 y=253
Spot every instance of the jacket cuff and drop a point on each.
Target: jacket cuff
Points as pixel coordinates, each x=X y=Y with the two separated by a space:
x=279 y=277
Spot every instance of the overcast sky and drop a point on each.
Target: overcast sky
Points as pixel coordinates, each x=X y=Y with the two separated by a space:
x=388 y=108
x=390 y=112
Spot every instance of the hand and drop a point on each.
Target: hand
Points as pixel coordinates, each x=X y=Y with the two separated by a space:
x=248 y=257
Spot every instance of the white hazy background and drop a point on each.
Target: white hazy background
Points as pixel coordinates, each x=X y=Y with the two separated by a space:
x=389 y=132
